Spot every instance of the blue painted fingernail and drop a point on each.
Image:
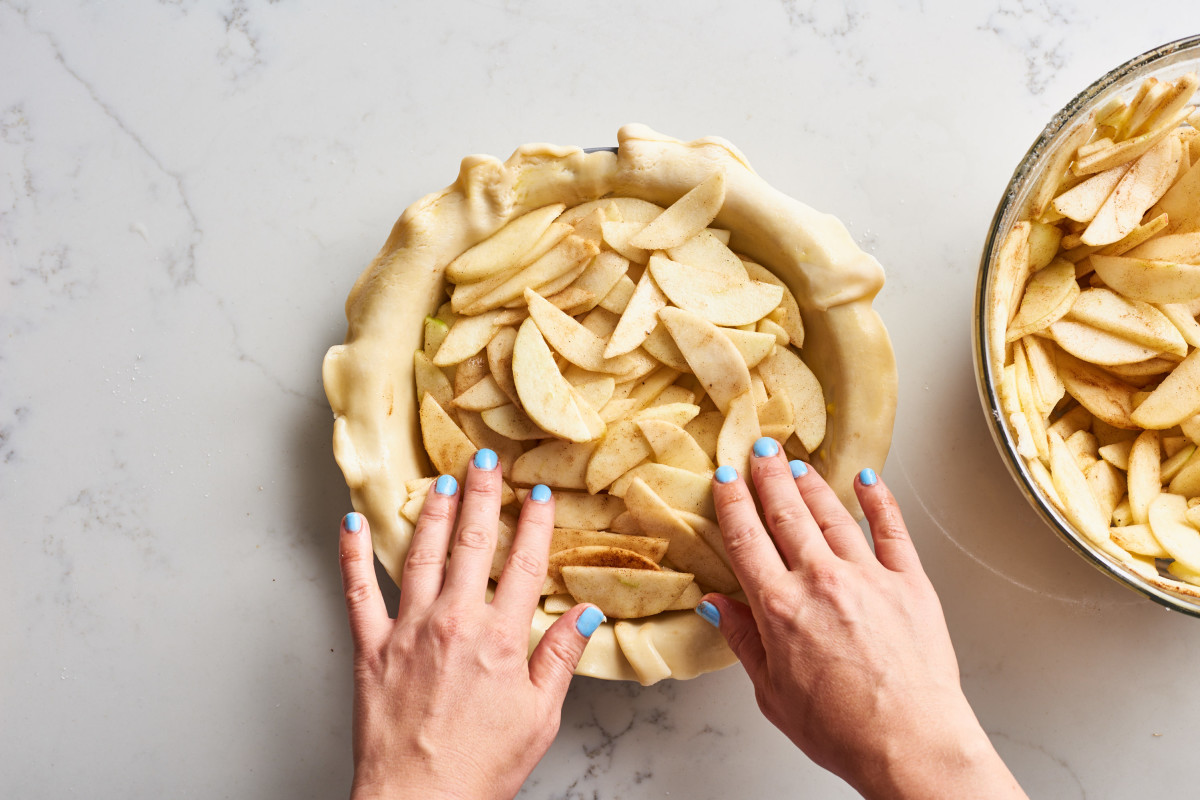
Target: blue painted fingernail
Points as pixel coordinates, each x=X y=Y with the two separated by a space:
x=540 y=493
x=867 y=477
x=709 y=613
x=486 y=459
x=798 y=468
x=353 y=522
x=446 y=485
x=726 y=474
x=765 y=447
x=588 y=621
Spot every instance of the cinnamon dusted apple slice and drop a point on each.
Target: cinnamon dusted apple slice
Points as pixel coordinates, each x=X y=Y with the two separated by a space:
x=712 y=356
x=623 y=593
x=546 y=395
x=505 y=248
x=717 y=298
x=684 y=218
x=592 y=556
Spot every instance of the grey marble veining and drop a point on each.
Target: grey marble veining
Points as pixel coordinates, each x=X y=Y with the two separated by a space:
x=188 y=190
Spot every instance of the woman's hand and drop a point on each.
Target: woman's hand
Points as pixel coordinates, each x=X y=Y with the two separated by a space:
x=445 y=703
x=847 y=649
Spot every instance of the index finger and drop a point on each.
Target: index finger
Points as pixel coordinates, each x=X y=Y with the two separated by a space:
x=478 y=522
x=519 y=589
x=752 y=554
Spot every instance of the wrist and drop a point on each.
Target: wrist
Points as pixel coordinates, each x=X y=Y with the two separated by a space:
x=956 y=761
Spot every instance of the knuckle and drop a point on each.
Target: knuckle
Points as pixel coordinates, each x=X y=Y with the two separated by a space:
x=777 y=604
x=474 y=536
x=740 y=536
x=890 y=525
x=447 y=629
x=825 y=578
x=358 y=592
x=729 y=501
x=786 y=516
x=433 y=513
x=422 y=558
x=523 y=562
x=481 y=487
x=561 y=653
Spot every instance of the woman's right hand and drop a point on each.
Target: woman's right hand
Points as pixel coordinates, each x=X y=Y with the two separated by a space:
x=847 y=648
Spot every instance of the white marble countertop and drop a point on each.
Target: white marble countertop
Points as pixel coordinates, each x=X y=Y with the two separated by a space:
x=187 y=192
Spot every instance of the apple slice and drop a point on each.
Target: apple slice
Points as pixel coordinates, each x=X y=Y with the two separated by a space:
x=1181 y=248
x=1181 y=317
x=430 y=379
x=1079 y=505
x=582 y=511
x=1107 y=397
x=1150 y=281
x=673 y=446
x=1006 y=288
x=617 y=236
x=1138 y=539
x=513 y=423
x=717 y=298
x=639 y=318
x=592 y=556
x=448 y=447
x=625 y=593
x=787 y=313
x=481 y=436
x=575 y=342
x=483 y=395
x=1107 y=485
x=712 y=356
x=1132 y=320
x=739 y=433
x=684 y=218
x=621 y=449
x=1145 y=476
x=1097 y=346
x=545 y=394
x=1169 y=523
x=678 y=488
x=1138 y=189
x=556 y=463
x=753 y=346
x=467 y=337
x=505 y=248
x=570 y=255
x=661 y=346
x=499 y=360
x=784 y=373
x=687 y=550
x=1082 y=202
x=1175 y=399
x=1049 y=296
x=706 y=251
x=568 y=538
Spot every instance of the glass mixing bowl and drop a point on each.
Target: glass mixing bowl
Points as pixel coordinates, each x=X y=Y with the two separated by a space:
x=1165 y=63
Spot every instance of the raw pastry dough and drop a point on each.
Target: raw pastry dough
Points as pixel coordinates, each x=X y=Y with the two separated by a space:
x=369 y=379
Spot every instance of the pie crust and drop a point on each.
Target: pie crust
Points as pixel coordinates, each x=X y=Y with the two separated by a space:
x=369 y=378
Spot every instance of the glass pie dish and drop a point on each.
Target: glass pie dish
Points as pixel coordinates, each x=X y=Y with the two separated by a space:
x=1038 y=172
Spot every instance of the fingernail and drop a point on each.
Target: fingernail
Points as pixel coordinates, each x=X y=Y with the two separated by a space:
x=353 y=522
x=709 y=613
x=798 y=468
x=765 y=447
x=446 y=485
x=867 y=477
x=726 y=474
x=588 y=621
x=486 y=459
x=540 y=494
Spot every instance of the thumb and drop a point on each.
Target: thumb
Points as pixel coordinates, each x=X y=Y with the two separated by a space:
x=556 y=655
x=736 y=622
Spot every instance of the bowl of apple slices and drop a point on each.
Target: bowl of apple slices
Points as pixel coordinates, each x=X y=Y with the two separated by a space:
x=1086 y=336
x=614 y=324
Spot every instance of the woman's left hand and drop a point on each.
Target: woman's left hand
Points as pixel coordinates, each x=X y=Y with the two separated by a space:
x=445 y=702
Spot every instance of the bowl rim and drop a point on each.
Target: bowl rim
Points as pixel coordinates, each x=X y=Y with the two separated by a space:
x=1024 y=180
